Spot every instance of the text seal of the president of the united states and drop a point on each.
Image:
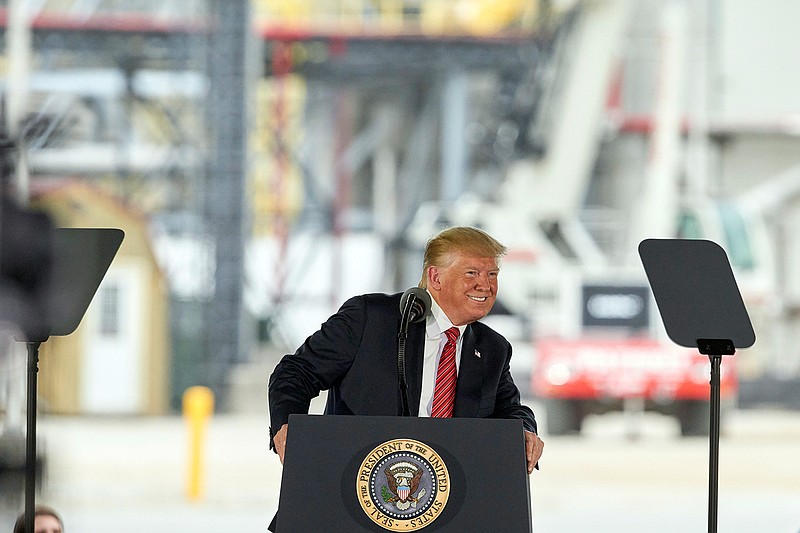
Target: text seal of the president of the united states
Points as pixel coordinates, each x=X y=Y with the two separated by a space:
x=403 y=485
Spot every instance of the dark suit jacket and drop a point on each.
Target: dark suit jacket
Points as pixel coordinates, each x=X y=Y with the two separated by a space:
x=354 y=357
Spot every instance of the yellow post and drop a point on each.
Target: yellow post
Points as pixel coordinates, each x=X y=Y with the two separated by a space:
x=198 y=405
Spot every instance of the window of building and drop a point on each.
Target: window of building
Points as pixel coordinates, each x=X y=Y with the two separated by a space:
x=109 y=309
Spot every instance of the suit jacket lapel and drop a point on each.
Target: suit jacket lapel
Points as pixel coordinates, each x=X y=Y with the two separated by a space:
x=415 y=356
x=470 y=378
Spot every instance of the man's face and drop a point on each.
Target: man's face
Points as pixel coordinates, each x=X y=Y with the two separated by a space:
x=466 y=288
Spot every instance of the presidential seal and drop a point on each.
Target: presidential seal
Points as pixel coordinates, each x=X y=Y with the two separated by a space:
x=403 y=485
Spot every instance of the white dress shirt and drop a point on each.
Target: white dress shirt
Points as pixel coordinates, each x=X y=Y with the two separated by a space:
x=435 y=325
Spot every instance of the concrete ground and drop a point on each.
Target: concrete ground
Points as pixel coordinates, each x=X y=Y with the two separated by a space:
x=623 y=474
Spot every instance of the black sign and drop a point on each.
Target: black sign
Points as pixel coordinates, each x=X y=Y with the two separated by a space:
x=616 y=306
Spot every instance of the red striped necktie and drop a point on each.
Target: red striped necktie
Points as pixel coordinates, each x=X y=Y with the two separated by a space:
x=444 y=392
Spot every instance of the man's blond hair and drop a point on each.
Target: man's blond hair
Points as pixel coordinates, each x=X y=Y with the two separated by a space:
x=441 y=248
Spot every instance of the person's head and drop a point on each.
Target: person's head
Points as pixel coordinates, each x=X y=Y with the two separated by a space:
x=460 y=269
x=46 y=520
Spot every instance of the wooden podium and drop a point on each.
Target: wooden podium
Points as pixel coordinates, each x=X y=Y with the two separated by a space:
x=364 y=473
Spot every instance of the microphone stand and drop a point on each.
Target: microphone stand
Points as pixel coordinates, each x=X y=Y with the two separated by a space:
x=402 y=335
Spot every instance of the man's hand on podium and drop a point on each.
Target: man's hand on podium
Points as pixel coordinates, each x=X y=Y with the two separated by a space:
x=534 y=446
x=279 y=440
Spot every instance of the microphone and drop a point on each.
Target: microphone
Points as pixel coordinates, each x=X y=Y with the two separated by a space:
x=419 y=303
x=415 y=304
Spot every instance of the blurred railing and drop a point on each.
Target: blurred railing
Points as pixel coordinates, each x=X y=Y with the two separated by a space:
x=85 y=10
x=423 y=17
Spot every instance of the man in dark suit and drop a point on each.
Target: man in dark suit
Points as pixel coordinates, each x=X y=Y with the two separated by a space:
x=354 y=354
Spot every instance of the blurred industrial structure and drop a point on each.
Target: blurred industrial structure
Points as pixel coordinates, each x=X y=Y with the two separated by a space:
x=289 y=153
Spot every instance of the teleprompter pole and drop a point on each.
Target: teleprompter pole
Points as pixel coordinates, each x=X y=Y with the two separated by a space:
x=30 y=439
x=714 y=349
x=713 y=464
